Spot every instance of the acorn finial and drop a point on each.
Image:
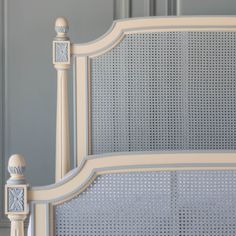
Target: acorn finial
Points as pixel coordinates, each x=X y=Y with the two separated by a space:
x=61 y=27
x=16 y=168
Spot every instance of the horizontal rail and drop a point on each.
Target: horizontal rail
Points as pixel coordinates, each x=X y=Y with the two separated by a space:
x=82 y=177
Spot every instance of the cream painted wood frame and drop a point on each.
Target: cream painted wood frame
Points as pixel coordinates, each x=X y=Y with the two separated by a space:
x=83 y=54
x=43 y=199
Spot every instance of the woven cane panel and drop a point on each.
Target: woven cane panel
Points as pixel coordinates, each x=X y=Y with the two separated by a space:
x=165 y=91
x=184 y=203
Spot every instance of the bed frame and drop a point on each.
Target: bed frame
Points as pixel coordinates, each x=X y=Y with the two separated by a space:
x=145 y=152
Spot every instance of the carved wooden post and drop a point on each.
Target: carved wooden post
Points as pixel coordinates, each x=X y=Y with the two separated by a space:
x=16 y=206
x=61 y=61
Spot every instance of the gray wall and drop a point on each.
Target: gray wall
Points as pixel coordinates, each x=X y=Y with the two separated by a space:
x=28 y=79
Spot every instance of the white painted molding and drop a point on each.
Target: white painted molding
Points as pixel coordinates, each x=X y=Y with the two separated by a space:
x=172 y=6
x=178 y=7
x=4 y=119
x=127 y=8
x=149 y=7
x=1 y=108
x=122 y=9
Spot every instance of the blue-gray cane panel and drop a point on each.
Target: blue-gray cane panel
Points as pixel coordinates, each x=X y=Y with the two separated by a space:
x=165 y=91
x=184 y=203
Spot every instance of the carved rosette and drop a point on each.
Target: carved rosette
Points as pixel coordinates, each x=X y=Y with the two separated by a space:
x=61 y=52
x=16 y=199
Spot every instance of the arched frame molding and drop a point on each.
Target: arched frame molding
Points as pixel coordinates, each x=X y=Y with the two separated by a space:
x=122 y=27
x=80 y=178
x=43 y=199
x=83 y=53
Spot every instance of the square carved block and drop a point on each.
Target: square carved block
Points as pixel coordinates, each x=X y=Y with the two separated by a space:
x=61 y=52
x=16 y=199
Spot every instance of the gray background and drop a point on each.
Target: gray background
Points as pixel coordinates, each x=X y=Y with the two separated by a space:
x=28 y=79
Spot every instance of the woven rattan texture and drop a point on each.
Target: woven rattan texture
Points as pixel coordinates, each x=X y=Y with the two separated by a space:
x=165 y=91
x=184 y=203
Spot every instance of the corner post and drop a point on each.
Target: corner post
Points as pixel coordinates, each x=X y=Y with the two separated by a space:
x=16 y=207
x=61 y=61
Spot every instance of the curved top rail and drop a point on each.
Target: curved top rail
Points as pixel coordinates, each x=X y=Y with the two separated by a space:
x=121 y=27
x=93 y=166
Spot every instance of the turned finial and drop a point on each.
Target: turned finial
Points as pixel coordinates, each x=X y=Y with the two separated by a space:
x=61 y=28
x=16 y=168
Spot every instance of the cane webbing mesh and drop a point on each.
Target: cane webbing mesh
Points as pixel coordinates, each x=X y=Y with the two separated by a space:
x=184 y=203
x=165 y=91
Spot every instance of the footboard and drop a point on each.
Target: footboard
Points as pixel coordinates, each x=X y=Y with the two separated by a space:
x=133 y=194
x=155 y=134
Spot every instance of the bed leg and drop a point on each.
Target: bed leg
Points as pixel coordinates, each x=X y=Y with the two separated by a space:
x=16 y=207
x=61 y=61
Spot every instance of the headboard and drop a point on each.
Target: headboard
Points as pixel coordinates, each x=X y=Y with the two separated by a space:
x=155 y=122
x=152 y=84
